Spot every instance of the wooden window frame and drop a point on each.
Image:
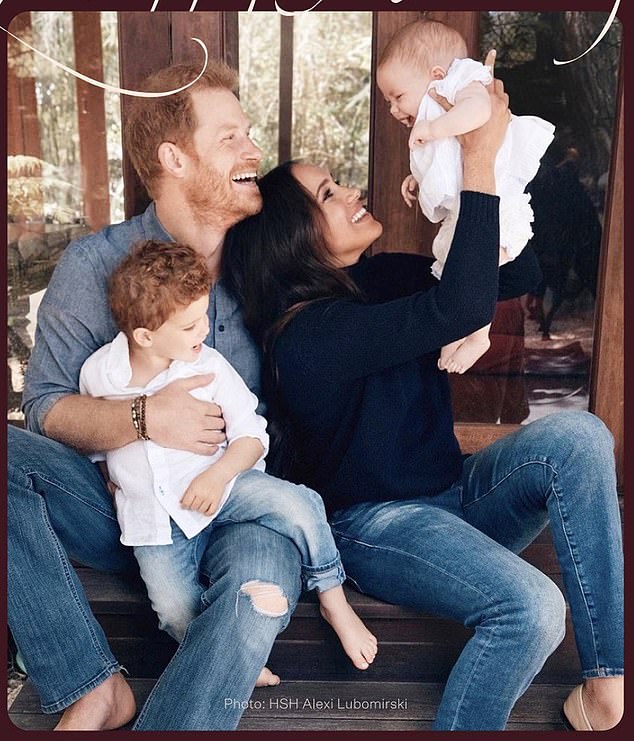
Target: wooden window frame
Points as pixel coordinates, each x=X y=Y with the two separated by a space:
x=23 y=133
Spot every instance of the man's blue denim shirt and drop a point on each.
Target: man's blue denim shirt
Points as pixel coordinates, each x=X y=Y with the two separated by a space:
x=74 y=318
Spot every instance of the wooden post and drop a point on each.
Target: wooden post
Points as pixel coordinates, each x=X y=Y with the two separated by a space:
x=207 y=26
x=144 y=47
x=389 y=155
x=91 y=117
x=231 y=39
x=608 y=383
x=23 y=127
x=285 y=102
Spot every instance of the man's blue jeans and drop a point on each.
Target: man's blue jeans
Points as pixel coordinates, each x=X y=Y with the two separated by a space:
x=454 y=555
x=59 y=509
x=171 y=572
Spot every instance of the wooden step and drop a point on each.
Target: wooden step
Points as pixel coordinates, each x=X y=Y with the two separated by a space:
x=416 y=654
x=413 y=646
x=314 y=705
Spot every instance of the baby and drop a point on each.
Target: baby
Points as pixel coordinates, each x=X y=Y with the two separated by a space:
x=426 y=55
x=168 y=500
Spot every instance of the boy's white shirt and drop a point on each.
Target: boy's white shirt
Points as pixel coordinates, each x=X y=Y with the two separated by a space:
x=151 y=480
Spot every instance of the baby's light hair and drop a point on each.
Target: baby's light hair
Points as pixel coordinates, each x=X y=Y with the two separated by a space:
x=153 y=282
x=424 y=44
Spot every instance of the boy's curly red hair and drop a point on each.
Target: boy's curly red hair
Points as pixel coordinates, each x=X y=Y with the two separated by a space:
x=154 y=281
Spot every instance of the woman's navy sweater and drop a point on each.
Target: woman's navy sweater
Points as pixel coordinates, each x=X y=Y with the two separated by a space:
x=370 y=411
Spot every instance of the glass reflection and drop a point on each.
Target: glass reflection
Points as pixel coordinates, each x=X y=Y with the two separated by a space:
x=53 y=143
x=541 y=348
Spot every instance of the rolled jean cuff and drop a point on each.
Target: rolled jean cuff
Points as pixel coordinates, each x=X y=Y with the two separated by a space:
x=602 y=671
x=61 y=705
x=323 y=578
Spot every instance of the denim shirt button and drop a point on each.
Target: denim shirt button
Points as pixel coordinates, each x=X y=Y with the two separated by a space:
x=221 y=327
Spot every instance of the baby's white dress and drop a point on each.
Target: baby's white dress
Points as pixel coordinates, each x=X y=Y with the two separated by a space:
x=437 y=167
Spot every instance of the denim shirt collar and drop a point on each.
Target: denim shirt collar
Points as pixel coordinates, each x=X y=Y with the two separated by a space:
x=152 y=226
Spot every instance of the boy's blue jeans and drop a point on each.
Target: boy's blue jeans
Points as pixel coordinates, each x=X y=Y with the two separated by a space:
x=452 y=555
x=171 y=572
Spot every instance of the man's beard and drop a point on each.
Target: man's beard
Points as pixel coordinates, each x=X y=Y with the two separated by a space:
x=214 y=202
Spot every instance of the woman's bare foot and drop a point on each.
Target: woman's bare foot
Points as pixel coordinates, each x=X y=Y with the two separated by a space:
x=266 y=678
x=603 y=702
x=356 y=639
x=110 y=705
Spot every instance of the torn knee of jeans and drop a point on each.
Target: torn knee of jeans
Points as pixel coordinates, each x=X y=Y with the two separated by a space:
x=267 y=599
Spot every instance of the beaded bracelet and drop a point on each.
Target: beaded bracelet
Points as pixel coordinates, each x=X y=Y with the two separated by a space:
x=137 y=410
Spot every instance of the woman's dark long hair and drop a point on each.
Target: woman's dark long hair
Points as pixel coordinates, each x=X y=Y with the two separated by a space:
x=275 y=263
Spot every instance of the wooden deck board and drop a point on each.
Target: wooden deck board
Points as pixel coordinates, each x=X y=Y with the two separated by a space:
x=416 y=654
x=341 y=705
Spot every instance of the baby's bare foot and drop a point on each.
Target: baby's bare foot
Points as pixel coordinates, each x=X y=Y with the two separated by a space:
x=266 y=678
x=356 y=639
x=447 y=352
x=466 y=355
x=110 y=705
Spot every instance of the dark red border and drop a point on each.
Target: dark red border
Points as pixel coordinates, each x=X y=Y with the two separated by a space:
x=10 y=8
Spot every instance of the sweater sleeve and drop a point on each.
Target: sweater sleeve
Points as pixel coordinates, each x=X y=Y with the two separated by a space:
x=520 y=275
x=348 y=339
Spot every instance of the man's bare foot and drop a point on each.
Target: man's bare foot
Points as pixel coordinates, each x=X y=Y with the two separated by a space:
x=474 y=347
x=447 y=352
x=356 y=639
x=266 y=678
x=110 y=705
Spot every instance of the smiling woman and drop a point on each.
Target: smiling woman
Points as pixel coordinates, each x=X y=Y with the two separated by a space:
x=350 y=228
x=375 y=436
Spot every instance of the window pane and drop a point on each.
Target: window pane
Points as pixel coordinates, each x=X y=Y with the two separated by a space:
x=259 y=55
x=64 y=150
x=331 y=93
x=542 y=345
x=330 y=61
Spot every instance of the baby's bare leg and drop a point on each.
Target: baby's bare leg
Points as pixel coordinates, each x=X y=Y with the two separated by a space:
x=447 y=352
x=472 y=347
x=356 y=639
